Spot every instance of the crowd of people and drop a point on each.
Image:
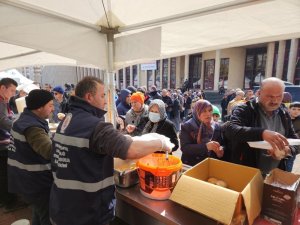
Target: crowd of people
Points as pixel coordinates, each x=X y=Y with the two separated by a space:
x=269 y=114
x=51 y=172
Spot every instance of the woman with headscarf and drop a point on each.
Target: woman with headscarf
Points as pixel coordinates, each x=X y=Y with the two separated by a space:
x=158 y=122
x=200 y=136
x=136 y=116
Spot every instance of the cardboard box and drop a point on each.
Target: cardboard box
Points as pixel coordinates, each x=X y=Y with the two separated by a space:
x=244 y=192
x=280 y=197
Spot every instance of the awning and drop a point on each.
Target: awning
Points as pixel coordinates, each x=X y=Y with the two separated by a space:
x=148 y=29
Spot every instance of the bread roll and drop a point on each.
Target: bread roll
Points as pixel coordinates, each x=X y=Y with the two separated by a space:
x=221 y=183
x=61 y=116
x=279 y=154
x=212 y=180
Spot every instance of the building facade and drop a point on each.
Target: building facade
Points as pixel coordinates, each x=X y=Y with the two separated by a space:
x=242 y=67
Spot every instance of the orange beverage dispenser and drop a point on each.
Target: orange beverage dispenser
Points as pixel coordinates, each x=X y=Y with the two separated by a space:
x=158 y=175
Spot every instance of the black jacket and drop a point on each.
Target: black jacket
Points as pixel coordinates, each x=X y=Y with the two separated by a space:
x=192 y=152
x=187 y=103
x=168 y=101
x=166 y=128
x=245 y=126
x=154 y=95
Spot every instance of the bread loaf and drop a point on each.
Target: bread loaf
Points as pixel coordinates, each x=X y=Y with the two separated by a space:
x=61 y=116
x=221 y=183
x=212 y=180
x=215 y=181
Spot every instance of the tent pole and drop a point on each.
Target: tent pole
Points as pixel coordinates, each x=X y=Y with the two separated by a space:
x=109 y=77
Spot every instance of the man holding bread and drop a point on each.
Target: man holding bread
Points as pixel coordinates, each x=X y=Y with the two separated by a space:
x=263 y=118
x=82 y=160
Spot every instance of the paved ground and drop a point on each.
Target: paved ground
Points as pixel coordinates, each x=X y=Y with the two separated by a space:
x=9 y=218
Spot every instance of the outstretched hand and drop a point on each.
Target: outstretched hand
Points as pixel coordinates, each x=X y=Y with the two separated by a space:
x=279 y=154
x=130 y=128
x=276 y=140
x=166 y=144
x=120 y=121
x=215 y=147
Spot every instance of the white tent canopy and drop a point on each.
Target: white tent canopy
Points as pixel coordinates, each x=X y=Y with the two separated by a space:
x=12 y=56
x=70 y=29
x=17 y=76
x=110 y=34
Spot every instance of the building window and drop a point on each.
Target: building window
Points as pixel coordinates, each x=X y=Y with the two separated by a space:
x=135 y=76
x=165 y=73
x=121 y=81
x=173 y=73
x=255 y=67
x=150 y=79
x=297 y=69
x=224 y=67
x=157 y=75
x=127 y=72
x=209 y=74
x=275 y=59
x=286 y=59
x=195 y=64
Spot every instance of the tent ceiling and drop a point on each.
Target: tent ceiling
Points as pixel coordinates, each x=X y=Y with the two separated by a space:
x=19 y=57
x=149 y=29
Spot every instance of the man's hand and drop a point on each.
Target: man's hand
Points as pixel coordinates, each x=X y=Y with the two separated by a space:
x=276 y=140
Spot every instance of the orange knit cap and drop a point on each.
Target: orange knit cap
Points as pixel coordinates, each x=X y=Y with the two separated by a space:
x=137 y=97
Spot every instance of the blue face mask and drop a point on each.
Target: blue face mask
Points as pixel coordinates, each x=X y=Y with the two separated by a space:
x=154 y=117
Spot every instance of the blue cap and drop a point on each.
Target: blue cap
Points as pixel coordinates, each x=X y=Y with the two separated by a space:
x=58 y=89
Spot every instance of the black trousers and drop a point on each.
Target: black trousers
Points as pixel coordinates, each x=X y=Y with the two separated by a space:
x=6 y=198
x=40 y=209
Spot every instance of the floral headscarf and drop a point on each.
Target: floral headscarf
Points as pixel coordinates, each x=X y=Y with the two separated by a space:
x=205 y=132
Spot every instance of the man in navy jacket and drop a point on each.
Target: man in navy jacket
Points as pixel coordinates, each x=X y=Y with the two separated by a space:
x=28 y=162
x=82 y=163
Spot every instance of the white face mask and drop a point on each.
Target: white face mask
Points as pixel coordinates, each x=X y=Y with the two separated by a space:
x=154 y=117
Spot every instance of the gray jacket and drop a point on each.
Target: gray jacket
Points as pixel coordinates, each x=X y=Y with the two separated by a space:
x=6 y=121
